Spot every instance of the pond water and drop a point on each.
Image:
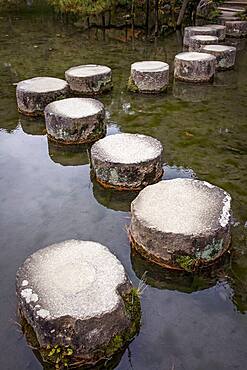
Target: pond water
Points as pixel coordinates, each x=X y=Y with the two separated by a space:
x=188 y=322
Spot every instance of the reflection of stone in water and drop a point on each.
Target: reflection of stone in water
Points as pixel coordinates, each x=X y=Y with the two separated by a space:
x=32 y=126
x=112 y=128
x=114 y=199
x=68 y=155
x=182 y=281
x=226 y=79
x=191 y=92
x=173 y=172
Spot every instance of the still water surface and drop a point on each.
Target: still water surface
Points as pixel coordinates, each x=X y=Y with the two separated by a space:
x=189 y=322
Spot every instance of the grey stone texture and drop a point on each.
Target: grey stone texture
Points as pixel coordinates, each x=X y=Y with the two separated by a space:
x=194 y=67
x=127 y=161
x=225 y=55
x=197 y=42
x=197 y=30
x=149 y=77
x=89 y=79
x=34 y=94
x=220 y=30
x=75 y=120
x=236 y=28
x=181 y=223
x=73 y=295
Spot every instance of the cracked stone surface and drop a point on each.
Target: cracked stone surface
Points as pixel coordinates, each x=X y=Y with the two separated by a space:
x=225 y=55
x=34 y=94
x=194 y=67
x=89 y=79
x=198 y=41
x=127 y=160
x=220 y=30
x=75 y=120
x=150 y=76
x=181 y=217
x=197 y=30
x=71 y=295
x=236 y=28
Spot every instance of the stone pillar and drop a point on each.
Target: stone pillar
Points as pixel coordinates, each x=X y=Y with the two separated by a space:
x=34 y=94
x=236 y=28
x=77 y=302
x=181 y=223
x=225 y=55
x=149 y=77
x=89 y=79
x=75 y=120
x=220 y=30
x=197 y=42
x=127 y=161
x=194 y=67
x=197 y=30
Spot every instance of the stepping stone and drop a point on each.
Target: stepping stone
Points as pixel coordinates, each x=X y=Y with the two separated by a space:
x=220 y=30
x=181 y=223
x=236 y=28
x=198 y=41
x=78 y=303
x=127 y=161
x=75 y=120
x=225 y=55
x=194 y=67
x=149 y=77
x=89 y=79
x=34 y=94
x=197 y=30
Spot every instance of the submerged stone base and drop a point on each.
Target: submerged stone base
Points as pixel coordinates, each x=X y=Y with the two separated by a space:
x=34 y=94
x=181 y=224
x=76 y=304
x=194 y=67
x=225 y=55
x=75 y=121
x=149 y=77
x=127 y=161
x=89 y=79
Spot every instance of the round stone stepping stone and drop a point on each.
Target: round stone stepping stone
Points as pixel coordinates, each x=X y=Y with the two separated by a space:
x=220 y=30
x=127 y=161
x=194 y=67
x=198 y=41
x=197 y=30
x=225 y=55
x=89 y=79
x=181 y=223
x=149 y=77
x=77 y=301
x=75 y=120
x=34 y=94
x=236 y=28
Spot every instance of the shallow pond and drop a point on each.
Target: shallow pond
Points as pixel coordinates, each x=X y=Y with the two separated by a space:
x=188 y=322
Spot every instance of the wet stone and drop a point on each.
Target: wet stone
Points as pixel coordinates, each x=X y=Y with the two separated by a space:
x=127 y=161
x=194 y=67
x=236 y=28
x=75 y=120
x=197 y=30
x=225 y=55
x=89 y=79
x=34 y=94
x=220 y=30
x=181 y=223
x=149 y=77
x=197 y=42
x=78 y=302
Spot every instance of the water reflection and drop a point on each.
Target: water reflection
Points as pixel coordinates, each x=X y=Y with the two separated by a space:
x=160 y=278
x=191 y=92
x=68 y=155
x=32 y=126
x=173 y=172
